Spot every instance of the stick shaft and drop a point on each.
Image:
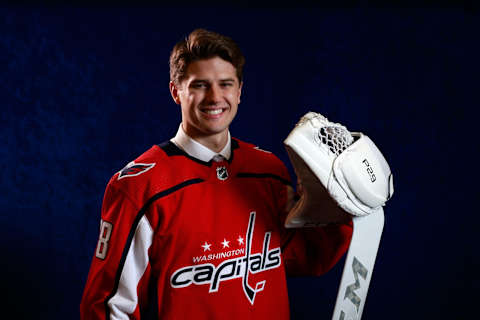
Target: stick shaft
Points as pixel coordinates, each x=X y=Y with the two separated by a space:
x=357 y=272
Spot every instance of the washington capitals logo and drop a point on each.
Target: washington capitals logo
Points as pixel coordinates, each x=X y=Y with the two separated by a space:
x=235 y=268
x=134 y=169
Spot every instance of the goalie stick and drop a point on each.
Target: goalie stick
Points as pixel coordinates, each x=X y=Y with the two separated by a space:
x=362 y=252
x=341 y=174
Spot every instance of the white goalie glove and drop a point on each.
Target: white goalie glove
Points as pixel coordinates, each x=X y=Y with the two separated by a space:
x=326 y=156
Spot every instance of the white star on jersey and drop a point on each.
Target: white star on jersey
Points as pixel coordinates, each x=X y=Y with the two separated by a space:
x=225 y=243
x=240 y=240
x=206 y=246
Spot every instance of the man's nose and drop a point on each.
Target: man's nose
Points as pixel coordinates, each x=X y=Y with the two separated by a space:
x=214 y=94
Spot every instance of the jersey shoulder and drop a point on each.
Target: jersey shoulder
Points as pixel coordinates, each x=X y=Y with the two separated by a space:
x=142 y=164
x=257 y=160
x=148 y=174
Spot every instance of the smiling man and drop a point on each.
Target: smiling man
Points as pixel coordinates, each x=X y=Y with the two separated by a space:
x=194 y=227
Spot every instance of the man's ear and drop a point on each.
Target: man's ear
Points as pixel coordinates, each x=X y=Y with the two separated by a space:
x=174 y=92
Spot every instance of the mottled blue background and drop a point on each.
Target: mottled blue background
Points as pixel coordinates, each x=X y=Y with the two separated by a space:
x=84 y=91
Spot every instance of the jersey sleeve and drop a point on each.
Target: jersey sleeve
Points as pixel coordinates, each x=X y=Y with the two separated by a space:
x=117 y=283
x=310 y=251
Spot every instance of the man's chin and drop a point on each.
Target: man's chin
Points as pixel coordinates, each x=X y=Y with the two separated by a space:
x=216 y=127
x=216 y=131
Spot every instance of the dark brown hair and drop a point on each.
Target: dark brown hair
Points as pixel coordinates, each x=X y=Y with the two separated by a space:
x=204 y=44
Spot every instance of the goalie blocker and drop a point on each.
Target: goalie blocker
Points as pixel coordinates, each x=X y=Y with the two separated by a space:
x=339 y=173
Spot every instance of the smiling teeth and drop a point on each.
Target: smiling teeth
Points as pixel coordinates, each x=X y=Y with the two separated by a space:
x=216 y=111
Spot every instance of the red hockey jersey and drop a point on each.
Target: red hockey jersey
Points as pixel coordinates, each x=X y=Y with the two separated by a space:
x=185 y=239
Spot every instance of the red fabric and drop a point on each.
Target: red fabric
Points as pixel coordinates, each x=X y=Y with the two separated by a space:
x=198 y=221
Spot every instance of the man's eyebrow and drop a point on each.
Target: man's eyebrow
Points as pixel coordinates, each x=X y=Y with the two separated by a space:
x=198 y=82
x=228 y=80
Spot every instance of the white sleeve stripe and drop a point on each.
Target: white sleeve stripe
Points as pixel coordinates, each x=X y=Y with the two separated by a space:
x=125 y=300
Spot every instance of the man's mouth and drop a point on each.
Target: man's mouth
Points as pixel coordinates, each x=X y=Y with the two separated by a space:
x=213 y=111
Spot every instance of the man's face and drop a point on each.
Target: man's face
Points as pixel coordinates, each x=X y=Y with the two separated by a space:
x=209 y=96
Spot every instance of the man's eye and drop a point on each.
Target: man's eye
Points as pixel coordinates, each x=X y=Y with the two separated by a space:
x=199 y=85
x=226 y=84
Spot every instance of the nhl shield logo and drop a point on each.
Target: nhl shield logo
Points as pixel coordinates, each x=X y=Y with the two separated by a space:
x=222 y=173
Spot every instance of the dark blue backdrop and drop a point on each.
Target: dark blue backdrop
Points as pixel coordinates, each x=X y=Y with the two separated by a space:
x=84 y=91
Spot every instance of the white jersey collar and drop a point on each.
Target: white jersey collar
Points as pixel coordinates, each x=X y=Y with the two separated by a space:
x=198 y=150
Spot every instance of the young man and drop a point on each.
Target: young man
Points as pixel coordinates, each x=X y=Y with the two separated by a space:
x=194 y=227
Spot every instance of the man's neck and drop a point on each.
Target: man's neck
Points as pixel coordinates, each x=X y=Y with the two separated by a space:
x=215 y=142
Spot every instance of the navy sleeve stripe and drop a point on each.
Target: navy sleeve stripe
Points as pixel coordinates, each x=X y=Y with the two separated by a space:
x=262 y=176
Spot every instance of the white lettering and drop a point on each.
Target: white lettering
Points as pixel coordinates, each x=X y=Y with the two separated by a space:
x=221 y=255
